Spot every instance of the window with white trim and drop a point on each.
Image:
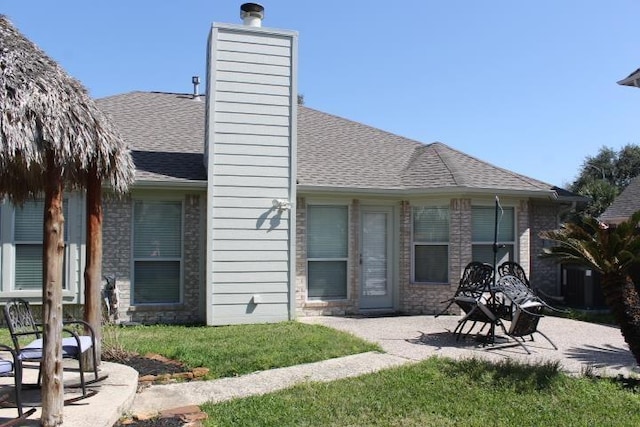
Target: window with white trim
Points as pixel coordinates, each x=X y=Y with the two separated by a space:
x=483 y=219
x=157 y=251
x=28 y=240
x=327 y=251
x=430 y=237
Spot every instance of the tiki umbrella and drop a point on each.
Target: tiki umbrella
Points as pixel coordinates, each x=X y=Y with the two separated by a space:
x=52 y=137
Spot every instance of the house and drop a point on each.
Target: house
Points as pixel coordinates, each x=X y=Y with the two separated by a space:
x=628 y=201
x=624 y=205
x=250 y=208
x=632 y=79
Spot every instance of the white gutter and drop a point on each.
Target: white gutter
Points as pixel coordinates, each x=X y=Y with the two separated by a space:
x=551 y=194
x=169 y=185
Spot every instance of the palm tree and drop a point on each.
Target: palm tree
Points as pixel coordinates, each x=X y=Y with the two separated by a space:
x=612 y=252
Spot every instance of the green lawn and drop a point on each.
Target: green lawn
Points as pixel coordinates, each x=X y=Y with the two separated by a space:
x=236 y=350
x=441 y=392
x=603 y=317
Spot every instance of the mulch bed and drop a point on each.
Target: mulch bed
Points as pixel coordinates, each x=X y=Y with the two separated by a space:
x=151 y=364
x=154 y=422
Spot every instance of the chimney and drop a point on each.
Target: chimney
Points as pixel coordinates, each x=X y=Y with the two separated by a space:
x=252 y=14
x=250 y=151
x=196 y=84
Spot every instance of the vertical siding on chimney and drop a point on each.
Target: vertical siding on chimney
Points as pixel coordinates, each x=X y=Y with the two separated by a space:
x=251 y=138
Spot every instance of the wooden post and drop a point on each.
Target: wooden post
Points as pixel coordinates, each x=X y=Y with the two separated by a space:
x=52 y=261
x=93 y=268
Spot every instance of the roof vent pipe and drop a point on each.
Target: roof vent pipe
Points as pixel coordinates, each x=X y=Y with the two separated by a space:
x=252 y=14
x=196 y=83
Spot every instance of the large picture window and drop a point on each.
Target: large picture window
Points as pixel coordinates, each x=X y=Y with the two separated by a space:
x=483 y=233
x=27 y=236
x=157 y=251
x=430 y=244
x=327 y=251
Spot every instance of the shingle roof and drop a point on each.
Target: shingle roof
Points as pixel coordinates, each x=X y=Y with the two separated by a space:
x=624 y=205
x=632 y=79
x=165 y=132
x=333 y=152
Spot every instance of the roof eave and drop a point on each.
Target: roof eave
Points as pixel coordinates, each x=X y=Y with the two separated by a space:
x=540 y=194
x=169 y=185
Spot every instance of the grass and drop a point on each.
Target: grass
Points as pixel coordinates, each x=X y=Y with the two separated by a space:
x=603 y=317
x=441 y=392
x=236 y=350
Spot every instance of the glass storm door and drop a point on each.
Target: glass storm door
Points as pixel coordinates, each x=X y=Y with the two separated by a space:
x=375 y=258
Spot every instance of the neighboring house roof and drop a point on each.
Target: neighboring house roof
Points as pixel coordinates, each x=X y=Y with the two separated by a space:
x=632 y=79
x=624 y=205
x=166 y=133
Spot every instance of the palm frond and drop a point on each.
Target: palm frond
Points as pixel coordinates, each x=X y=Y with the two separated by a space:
x=592 y=244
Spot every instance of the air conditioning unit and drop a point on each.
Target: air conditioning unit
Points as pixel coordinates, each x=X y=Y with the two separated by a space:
x=581 y=287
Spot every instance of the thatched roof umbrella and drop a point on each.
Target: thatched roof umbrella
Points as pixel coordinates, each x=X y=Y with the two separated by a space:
x=52 y=137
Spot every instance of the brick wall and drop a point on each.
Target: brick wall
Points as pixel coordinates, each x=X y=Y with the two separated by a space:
x=117 y=235
x=301 y=255
x=326 y=308
x=524 y=235
x=116 y=247
x=545 y=274
x=420 y=298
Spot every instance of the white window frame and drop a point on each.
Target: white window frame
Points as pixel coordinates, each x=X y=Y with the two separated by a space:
x=179 y=259
x=512 y=244
x=311 y=205
x=440 y=243
x=74 y=226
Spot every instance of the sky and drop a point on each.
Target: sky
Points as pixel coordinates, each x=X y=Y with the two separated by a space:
x=527 y=86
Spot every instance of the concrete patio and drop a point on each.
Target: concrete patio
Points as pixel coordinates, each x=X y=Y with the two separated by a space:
x=405 y=339
x=115 y=396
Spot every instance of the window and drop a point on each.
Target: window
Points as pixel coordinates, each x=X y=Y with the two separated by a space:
x=483 y=233
x=431 y=244
x=157 y=251
x=27 y=236
x=327 y=251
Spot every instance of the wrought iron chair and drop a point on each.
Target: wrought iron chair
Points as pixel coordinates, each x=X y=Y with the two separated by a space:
x=523 y=308
x=476 y=299
x=22 y=326
x=512 y=268
x=13 y=367
x=475 y=279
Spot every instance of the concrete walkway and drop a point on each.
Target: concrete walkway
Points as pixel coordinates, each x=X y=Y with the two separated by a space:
x=405 y=339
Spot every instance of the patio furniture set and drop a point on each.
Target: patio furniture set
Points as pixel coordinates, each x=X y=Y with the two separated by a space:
x=507 y=302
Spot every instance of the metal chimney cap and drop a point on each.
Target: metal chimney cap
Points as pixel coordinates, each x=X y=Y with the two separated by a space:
x=196 y=82
x=252 y=14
